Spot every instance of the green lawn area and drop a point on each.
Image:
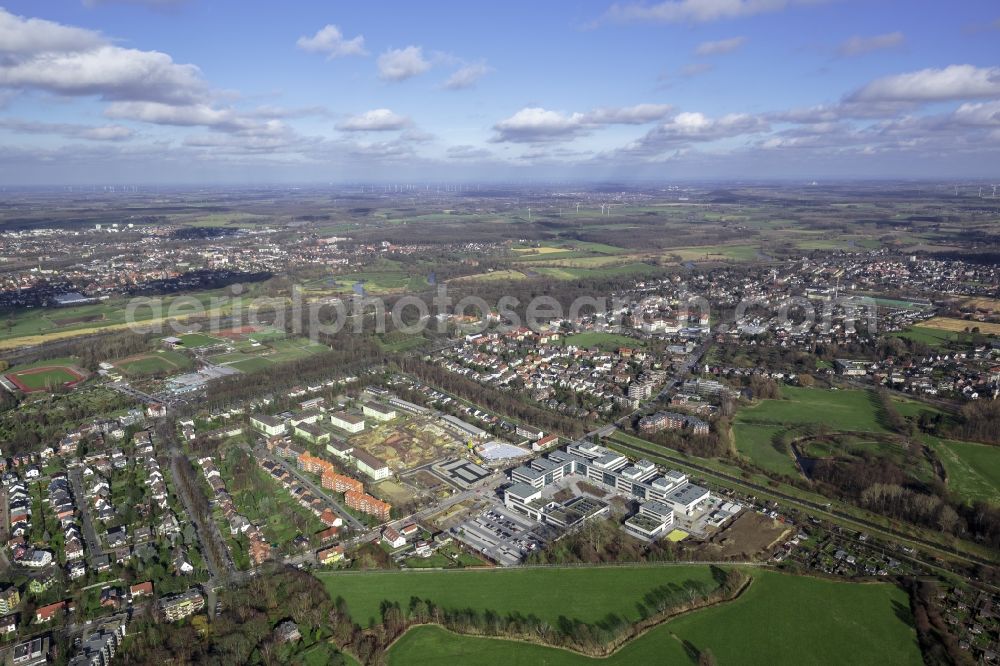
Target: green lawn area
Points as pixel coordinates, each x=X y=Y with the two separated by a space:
x=973 y=469
x=402 y=344
x=587 y=594
x=196 y=340
x=604 y=341
x=847 y=410
x=435 y=561
x=756 y=443
x=780 y=620
x=252 y=364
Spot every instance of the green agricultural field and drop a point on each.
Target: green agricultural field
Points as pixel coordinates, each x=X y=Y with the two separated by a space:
x=601 y=248
x=532 y=255
x=845 y=410
x=781 y=620
x=604 y=341
x=586 y=594
x=565 y=273
x=714 y=252
x=756 y=442
x=931 y=337
x=586 y=262
x=500 y=276
x=973 y=469
x=226 y=220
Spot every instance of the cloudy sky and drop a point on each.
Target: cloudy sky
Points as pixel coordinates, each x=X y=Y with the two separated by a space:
x=200 y=91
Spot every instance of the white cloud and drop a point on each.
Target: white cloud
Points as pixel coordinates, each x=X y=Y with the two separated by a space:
x=376 y=120
x=538 y=125
x=69 y=130
x=934 y=85
x=979 y=113
x=24 y=36
x=627 y=115
x=401 y=64
x=467 y=76
x=330 y=40
x=535 y=124
x=71 y=61
x=857 y=45
x=693 y=127
x=466 y=152
x=721 y=46
x=147 y=86
x=196 y=115
x=109 y=72
x=696 y=11
x=823 y=113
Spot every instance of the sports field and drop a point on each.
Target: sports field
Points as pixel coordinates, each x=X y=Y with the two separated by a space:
x=198 y=340
x=265 y=349
x=46 y=375
x=586 y=594
x=780 y=620
x=160 y=361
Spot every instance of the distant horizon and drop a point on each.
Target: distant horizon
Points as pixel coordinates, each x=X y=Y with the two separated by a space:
x=179 y=91
x=804 y=182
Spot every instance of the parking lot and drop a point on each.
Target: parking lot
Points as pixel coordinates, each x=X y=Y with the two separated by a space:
x=502 y=535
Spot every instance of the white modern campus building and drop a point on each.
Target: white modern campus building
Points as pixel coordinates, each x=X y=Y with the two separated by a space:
x=641 y=480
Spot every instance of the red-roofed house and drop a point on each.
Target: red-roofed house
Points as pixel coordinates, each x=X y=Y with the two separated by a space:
x=141 y=589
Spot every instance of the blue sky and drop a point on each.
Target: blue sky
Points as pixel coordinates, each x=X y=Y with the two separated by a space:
x=95 y=91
